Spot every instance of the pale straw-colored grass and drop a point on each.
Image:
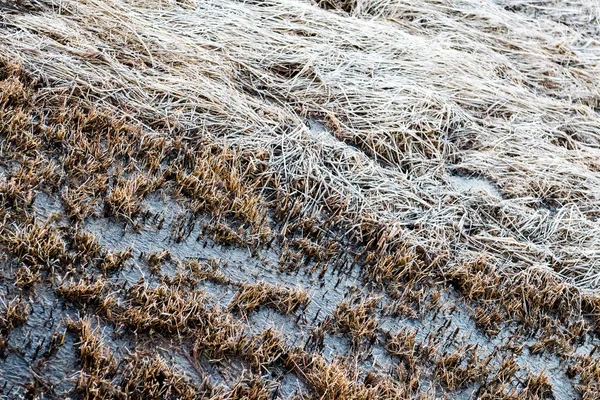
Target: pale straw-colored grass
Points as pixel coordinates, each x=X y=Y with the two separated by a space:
x=410 y=91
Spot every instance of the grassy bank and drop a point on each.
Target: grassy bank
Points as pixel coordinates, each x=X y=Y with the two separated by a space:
x=239 y=199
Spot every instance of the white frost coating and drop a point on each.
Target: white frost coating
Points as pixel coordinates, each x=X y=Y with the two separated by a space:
x=503 y=89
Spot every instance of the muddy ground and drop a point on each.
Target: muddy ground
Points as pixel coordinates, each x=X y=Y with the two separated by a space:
x=163 y=293
x=141 y=260
x=35 y=363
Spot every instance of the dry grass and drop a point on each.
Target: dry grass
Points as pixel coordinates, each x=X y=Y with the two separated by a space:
x=587 y=369
x=116 y=260
x=460 y=367
x=201 y=271
x=81 y=201
x=278 y=125
x=144 y=376
x=86 y=246
x=356 y=317
x=150 y=377
x=84 y=291
x=163 y=309
x=458 y=110
x=251 y=296
x=35 y=244
x=496 y=79
x=125 y=198
x=329 y=380
x=26 y=276
x=15 y=313
x=538 y=386
x=93 y=355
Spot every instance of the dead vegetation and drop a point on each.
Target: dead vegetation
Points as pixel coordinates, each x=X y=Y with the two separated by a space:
x=201 y=271
x=251 y=296
x=104 y=122
x=35 y=244
x=163 y=309
x=356 y=317
x=587 y=369
x=125 y=198
x=330 y=380
x=149 y=377
x=86 y=246
x=84 y=291
x=116 y=260
x=14 y=314
x=95 y=358
x=144 y=376
x=538 y=386
x=26 y=276
x=460 y=367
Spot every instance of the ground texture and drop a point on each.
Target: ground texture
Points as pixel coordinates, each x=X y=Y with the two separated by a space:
x=376 y=199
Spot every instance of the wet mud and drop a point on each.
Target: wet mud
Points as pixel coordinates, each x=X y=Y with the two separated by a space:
x=168 y=271
x=34 y=357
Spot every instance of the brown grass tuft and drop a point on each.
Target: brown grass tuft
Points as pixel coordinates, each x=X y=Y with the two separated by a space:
x=149 y=377
x=163 y=309
x=356 y=317
x=15 y=314
x=251 y=296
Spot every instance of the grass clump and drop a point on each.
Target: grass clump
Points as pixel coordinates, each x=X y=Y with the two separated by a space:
x=86 y=247
x=356 y=317
x=125 y=198
x=94 y=356
x=251 y=296
x=26 y=276
x=329 y=380
x=147 y=376
x=116 y=260
x=163 y=309
x=36 y=244
x=88 y=290
x=15 y=314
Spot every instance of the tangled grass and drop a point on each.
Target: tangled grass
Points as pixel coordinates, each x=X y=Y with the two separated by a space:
x=409 y=94
x=327 y=134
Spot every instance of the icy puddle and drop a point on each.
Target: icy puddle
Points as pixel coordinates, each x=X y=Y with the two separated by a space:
x=473 y=184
